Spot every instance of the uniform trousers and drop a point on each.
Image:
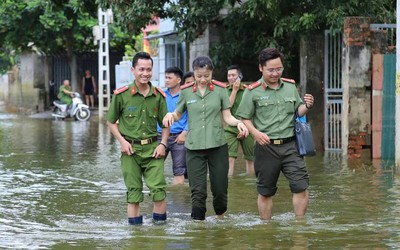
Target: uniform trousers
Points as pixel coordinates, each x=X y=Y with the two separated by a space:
x=143 y=166
x=199 y=163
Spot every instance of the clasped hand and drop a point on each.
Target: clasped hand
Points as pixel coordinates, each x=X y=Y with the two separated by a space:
x=168 y=120
x=243 y=131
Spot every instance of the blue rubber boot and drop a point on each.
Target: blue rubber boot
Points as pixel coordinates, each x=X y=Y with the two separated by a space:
x=159 y=218
x=135 y=220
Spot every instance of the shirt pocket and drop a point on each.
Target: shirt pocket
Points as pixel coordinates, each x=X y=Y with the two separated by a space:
x=265 y=109
x=151 y=118
x=131 y=118
x=289 y=105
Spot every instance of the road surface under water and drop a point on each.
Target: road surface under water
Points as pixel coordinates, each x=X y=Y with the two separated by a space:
x=61 y=188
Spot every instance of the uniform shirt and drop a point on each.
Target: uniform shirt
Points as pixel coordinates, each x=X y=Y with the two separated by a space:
x=179 y=126
x=235 y=106
x=65 y=98
x=271 y=110
x=204 y=115
x=138 y=115
x=239 y=95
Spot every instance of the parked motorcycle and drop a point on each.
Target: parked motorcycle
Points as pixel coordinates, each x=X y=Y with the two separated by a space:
x=77 y=109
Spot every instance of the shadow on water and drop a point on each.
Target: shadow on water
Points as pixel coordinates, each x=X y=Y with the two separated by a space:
x=61 y=187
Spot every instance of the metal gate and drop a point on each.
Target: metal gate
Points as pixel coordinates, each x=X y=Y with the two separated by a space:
x=333 y=91
x=60 y=70
x=388 y=107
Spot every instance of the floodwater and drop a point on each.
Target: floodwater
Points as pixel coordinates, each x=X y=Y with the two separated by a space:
x=61 y=188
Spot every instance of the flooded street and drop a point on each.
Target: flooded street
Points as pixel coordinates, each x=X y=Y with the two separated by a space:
x=61 y=188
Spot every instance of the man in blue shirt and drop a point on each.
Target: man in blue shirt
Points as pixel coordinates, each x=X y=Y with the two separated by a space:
x=178 y=131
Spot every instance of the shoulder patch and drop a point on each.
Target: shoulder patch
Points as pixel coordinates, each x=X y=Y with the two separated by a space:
x=187 y=85
x=161 y=92
x=218 y=83
x=120 y=90
x=288 y=80
x=253 y=85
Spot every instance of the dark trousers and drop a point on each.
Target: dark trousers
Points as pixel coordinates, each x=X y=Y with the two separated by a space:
x=199 y=162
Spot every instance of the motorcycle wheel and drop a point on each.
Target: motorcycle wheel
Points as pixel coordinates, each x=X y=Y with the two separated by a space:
x=82 y=114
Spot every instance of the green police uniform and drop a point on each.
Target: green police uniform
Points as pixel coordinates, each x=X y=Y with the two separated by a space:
x=65 y=98
x=231 y=132
x=206 y=145
x=137 y=117
x=272 y=112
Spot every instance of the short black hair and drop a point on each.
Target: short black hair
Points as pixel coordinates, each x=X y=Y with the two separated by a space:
x=175 y=70
x=202 y=62
x=239 y=71
x=234 y=66
x=269 y=54
x=141 y=55
x=187 y=75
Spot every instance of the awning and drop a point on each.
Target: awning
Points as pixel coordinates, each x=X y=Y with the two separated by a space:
x=162 y=34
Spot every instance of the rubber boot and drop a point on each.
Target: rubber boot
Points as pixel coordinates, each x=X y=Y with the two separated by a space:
x=135 y=220
x=159 y=218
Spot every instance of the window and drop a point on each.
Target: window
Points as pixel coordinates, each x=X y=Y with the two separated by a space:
x=173 y=55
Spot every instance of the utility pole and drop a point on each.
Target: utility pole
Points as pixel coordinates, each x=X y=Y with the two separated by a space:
x=397 y=121
x=104 y=17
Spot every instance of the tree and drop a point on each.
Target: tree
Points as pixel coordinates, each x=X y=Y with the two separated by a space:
x=250 y=25
x=260 y=23
x=49 y=26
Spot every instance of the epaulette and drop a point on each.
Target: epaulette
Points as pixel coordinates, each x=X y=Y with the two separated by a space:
x=253 y=85
x=187 y=85
x=120 y=90
x=244 y=86
x=218 y=83
x=161 y=91
x=288 y=80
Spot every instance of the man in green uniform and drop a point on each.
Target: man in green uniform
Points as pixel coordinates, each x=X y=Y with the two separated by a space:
x=65 y=94
x=207 y=103
x=268 y=109
x=138 y=108
x=235 y=91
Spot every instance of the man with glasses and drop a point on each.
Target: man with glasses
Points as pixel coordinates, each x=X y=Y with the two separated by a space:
x=268 y=110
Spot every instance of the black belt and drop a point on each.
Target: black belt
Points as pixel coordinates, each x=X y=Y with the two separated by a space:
x=282 y=141
x=144 y=141
x=174 y=134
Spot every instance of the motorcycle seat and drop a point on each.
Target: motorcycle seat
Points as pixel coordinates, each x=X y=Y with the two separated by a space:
x=59 y=102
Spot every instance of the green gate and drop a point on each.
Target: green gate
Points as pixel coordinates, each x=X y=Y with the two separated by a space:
x=388 y=106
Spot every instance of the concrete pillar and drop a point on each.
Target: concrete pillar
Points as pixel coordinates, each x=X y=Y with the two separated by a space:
x=379 y=45
x=162 y=61
x=311 y=82
x=104 y=92
x=356 y=77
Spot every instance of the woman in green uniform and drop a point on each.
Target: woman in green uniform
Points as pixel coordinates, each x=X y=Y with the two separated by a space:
x=207 y=104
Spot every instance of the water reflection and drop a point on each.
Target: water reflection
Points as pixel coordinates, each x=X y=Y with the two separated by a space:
x=61 y=187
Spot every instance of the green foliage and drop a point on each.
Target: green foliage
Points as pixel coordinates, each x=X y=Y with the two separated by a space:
x=134 y=15
x=191 y=17
x=51 y=26
x=250 y=25
x=131 y=50
x=257 y=24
